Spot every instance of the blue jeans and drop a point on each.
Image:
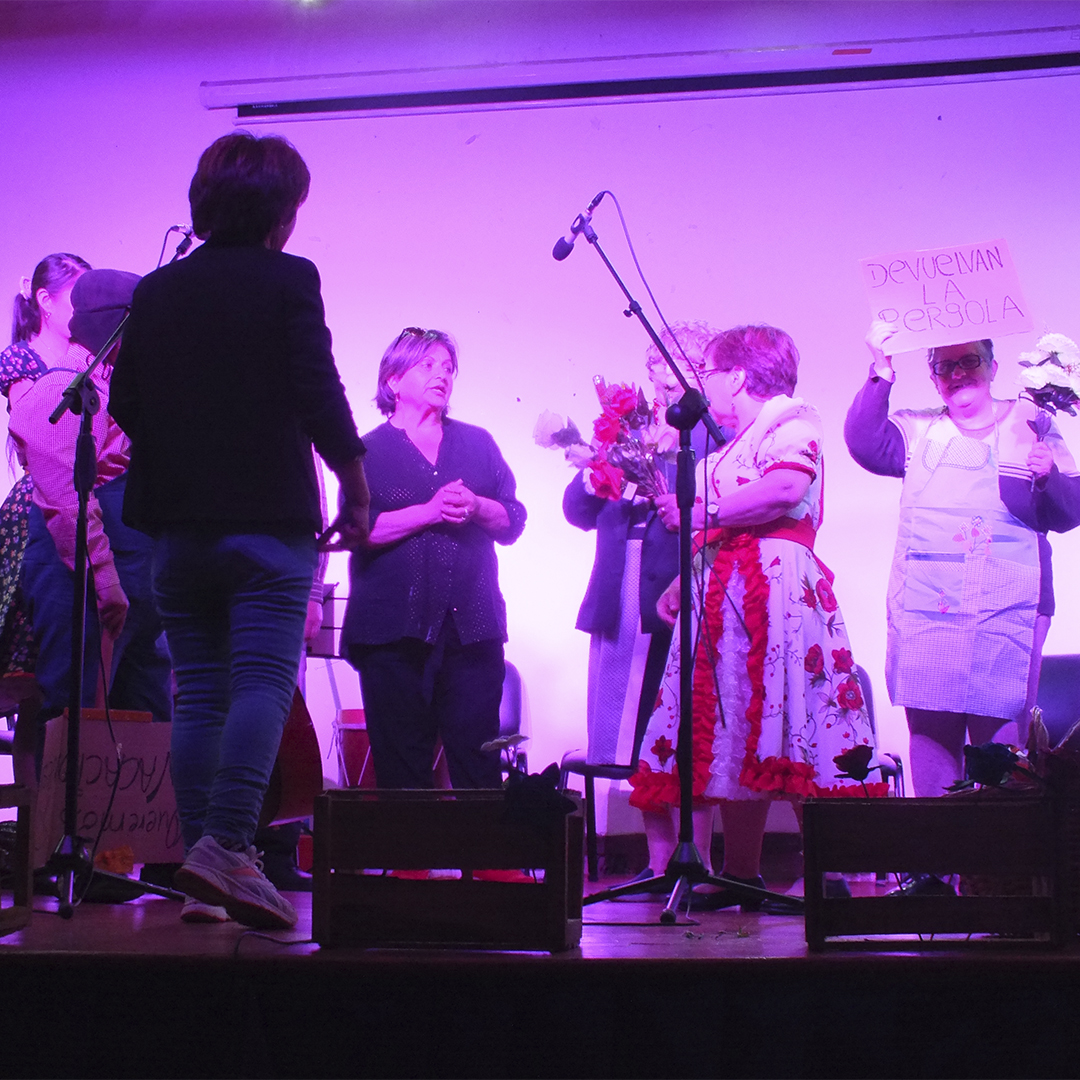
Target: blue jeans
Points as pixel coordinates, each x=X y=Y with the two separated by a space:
x=233 y=606
x=140 y=676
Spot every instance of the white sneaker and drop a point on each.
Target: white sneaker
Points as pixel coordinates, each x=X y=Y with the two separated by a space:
x=195 y=911
x=234 y=880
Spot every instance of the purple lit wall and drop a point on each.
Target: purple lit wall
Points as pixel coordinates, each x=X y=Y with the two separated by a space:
x=742 y=209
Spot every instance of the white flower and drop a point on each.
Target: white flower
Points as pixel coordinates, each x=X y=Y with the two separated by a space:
x=1035 y=378
x=1065 y=348
x=579 y=455
x=1057 y=345
x=547 y=425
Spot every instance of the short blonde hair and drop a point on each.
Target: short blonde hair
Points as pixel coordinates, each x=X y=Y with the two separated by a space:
x=693 y=337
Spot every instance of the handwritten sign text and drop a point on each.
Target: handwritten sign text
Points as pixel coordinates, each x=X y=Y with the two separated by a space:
x=946 y=296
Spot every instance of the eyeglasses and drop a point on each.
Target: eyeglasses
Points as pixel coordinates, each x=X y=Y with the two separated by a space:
x=943 y=369
x=411 y=331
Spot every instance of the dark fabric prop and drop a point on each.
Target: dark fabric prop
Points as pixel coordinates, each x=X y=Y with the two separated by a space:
x=534 y=799
x=989 y=764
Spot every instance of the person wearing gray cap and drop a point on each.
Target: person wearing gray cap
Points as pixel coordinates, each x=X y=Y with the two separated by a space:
x=119 y=557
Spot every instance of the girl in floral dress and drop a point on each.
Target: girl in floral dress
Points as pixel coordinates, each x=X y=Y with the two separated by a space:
x=775 y=696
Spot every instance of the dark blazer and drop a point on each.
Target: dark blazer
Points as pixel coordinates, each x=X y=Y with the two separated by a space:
x=224 y=381
x=601 y=609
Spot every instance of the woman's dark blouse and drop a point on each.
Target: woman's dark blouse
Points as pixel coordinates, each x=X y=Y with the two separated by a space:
x=406 y=589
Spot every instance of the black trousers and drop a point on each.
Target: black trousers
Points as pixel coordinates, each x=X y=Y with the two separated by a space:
x=415 y=693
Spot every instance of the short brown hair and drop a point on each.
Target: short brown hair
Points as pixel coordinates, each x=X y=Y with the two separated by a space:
x=766 y=354
x=246 y=186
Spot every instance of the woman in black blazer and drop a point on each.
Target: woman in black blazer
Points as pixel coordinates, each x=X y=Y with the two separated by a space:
x=224 y=382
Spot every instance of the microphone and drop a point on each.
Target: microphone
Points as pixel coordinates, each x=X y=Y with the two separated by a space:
x=565 y=244
x=185 y=244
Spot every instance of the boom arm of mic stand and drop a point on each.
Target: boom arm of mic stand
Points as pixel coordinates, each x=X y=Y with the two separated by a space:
x=72 y=397
x=634 y=309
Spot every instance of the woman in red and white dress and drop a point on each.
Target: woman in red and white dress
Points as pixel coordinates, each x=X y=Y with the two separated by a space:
x=775 y=696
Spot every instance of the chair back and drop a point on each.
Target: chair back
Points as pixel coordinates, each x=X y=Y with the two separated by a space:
x=510 y=706
x=511 y=713
x=1059 y=694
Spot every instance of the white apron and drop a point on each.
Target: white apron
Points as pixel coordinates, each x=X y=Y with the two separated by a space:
x=964 y=584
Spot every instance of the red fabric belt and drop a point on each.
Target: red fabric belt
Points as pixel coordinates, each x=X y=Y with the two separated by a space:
x=782 y=528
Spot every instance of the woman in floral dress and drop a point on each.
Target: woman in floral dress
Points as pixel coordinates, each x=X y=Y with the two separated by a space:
x=775 y=696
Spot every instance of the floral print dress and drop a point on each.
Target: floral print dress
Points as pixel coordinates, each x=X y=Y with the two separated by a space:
x=17 y=649
x=775 y=695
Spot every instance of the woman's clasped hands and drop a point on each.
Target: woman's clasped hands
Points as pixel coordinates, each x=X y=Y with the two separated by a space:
x=453 y=504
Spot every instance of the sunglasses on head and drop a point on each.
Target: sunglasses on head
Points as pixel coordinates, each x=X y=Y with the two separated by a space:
x=412 y=331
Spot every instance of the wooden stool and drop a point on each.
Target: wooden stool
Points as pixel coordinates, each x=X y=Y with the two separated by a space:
x=17 y=915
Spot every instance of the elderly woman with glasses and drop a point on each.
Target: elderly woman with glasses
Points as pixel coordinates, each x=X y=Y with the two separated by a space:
x=425 y=622
x=775 y=695
x=971 y=592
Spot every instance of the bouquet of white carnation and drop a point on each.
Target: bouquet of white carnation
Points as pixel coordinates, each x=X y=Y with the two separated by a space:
x=1051 y=379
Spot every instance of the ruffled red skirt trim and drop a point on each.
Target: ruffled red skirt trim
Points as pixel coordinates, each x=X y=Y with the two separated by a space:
x=779 y=776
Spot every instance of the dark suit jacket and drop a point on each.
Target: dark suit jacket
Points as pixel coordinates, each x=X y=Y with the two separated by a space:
x=224 y=381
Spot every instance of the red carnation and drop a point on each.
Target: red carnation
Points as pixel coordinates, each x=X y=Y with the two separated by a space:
x=815 y=660
x=621 y=400
x=854 y=763
x=826 y=595
x=606 y=427
x=848 y=695
x=607 y=480
x=841 y=659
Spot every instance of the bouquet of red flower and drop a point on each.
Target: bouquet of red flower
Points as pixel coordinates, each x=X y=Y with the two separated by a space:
x=624 y=448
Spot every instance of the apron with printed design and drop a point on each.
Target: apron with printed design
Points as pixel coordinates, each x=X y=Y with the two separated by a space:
x=964 y=584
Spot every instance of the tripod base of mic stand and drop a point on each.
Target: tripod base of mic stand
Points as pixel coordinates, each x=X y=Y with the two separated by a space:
x=74 y=873
x=686 y=870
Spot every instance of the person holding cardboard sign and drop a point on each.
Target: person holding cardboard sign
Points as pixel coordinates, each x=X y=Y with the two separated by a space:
x=971 y=592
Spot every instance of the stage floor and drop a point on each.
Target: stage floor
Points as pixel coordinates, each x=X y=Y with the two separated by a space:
x=129 y=990
x=623 y=929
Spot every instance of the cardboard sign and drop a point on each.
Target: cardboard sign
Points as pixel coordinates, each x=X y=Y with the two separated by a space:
x=947 y=296
x=143 y=814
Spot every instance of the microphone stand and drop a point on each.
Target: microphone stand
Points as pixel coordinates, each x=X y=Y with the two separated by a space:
x=70 y=861
x=686 y=867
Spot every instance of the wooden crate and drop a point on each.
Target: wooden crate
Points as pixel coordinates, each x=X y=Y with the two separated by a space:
x=357 y=830
x=986 y=835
